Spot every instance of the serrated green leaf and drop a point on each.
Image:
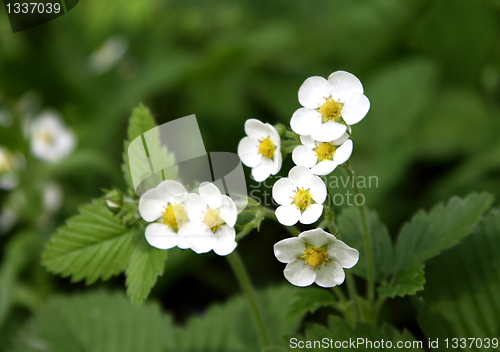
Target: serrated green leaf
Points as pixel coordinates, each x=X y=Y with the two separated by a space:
x=145 y=265
x=141 y=121
x=93 y=245
x=461 y=297
x=97 y=322
x=308 y=300
x=407 y=282
x=428 y=234
x=351 y=232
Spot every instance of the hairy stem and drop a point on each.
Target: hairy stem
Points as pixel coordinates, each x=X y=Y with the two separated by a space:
x=241 y=274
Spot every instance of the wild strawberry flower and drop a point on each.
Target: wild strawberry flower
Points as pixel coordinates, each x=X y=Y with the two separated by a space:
x=212 y=218
x=315 y=256
x=329 y=106
x=165 y=207
x=322 y=157
x=301 y=196
x=51 y=140
x=10 y=165
x=261 y=149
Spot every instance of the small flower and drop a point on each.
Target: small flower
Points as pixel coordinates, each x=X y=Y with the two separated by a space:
x=108 y=54
x=165 y=205
x=300 y=196
x=322 y=157
x=329 y=106
x=261 y=149
x=10 y=165
x=51 y=140
x=52 y=197
x=315 y=256
x=212 y=218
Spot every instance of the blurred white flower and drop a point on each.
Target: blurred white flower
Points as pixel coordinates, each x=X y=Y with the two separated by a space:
x=301 y=196
x=52 y=197
x=212 y=218
x=261 y=149
x=108 y=54
x=165 y=205
x=322 y=157
x=10 y=165
x=315 y=249
x=51 y=140
x=8 y=219
x=329 y=106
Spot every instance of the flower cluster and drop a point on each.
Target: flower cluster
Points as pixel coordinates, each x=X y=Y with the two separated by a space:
x=202 y=222
x=323 y=123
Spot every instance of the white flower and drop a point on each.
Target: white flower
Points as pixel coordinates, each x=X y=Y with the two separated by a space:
x=329 y=105
x=52 y=197
x=212 y=218
x=8 y=219
x=322 y=157
x=165 y=205
x=108 y=55
x=261 y=149
x=10 y=165
x=51 y=140
x=315 y=249
x=300 y=196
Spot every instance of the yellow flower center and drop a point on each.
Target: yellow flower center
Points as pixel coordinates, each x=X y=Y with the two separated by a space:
x=46 y=136
x=330 y=110
x=213 y=219
x=325 y=151
x=5 y=162
x=302 y=199
x=315 y=256
x=174 y=216
x=266 y=148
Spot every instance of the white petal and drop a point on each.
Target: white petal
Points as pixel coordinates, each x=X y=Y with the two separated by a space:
x=288 y=215
x=331 y=275
x=283 y=191
x=313 y=92
x=183 y=243
x=311 y=214
x=317 y=237
x=152 y=204
x=200 y=239
x=228 y=211
x=175 y=190
x=301 y=176
x=308 y=141
x=299 y=274
x=262 y=171
x=330 y=131
x=344 y=83
x=225 y=243
x=248 y=151
x=342 y=139
x=324 y=167
x=289 y=249
x=195 y=207
x=274 y=135
x=278 y=160
x=210 y=195
x=304 y=156
x=256 y=129
x=346 y=256
x=306 y=121
x=355 y=108
x=318 y=190
x=161 y=236
x=343 y=153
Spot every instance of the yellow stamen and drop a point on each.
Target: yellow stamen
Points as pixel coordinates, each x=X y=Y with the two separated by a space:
x=302 y=199
x=46 y=136
x=174 y=216
x=213 y=219
x=315 y=256
x=267 y=148
x=331 y=110
x=325 y=151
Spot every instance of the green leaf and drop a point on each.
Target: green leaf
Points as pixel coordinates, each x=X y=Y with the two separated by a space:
x=97 y=322
x=145 y=265
x=351 y=233
x=461 y=297
x=141 y=121
x=428 y=234
x=407 y=282
x=93 y=245
x=308 y=300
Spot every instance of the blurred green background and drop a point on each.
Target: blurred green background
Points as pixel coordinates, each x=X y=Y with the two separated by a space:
x=431 y=69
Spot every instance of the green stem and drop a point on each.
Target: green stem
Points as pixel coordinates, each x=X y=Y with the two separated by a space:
x=241 y=274
x=370 y=294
